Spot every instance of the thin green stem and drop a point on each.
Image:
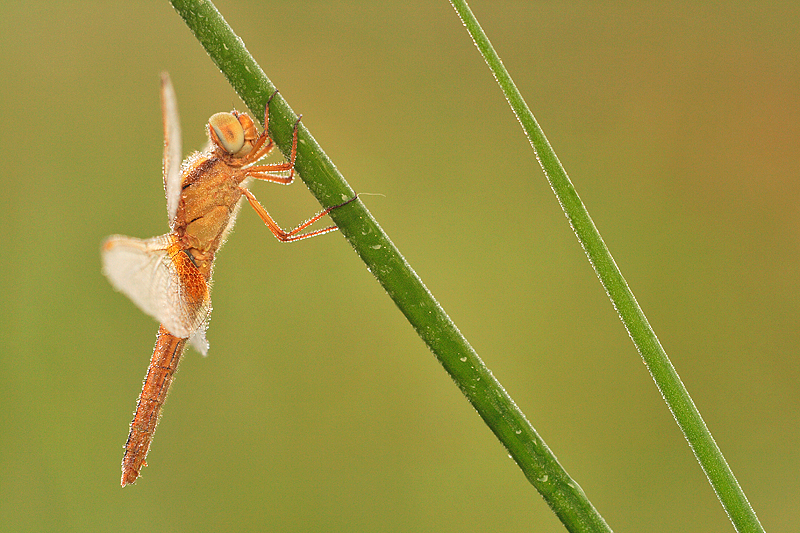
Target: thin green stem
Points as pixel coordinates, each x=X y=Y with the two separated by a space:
x=402 y=284
x=669 y=383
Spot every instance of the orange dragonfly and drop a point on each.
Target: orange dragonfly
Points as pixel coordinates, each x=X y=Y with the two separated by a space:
x=169 y=277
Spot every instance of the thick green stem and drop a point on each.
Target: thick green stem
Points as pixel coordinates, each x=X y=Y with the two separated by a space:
x=669 y=383
x=402 y=284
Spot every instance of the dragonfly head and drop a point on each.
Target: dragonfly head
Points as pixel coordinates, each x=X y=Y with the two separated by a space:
x=232 y=132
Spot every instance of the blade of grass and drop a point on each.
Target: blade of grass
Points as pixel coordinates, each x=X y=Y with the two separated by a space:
x=402 y=284
x=669 y=383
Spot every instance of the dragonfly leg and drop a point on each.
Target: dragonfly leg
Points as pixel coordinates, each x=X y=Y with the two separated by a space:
x=264 y=172
x=295 y=234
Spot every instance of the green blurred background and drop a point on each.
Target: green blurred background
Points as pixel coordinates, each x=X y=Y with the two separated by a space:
x=318 y=409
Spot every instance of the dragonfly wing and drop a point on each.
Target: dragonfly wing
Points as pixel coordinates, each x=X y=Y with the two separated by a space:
x=172 y=147
x=139 y=269
x=199 y=342
x=190 y=304
x=161 y=280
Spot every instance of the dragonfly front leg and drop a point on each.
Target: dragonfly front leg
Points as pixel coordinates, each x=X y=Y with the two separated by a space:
x=264 y=172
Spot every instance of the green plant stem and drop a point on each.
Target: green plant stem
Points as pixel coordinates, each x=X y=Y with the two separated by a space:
x=402 y=284
x=669 y=383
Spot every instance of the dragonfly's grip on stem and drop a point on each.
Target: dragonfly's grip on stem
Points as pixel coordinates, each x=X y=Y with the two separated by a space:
x=166 y=356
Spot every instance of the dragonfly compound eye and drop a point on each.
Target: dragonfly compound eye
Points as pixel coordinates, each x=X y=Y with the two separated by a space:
x=229 y=131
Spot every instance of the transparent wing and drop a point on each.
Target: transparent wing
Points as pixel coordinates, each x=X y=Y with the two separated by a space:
x=198 y=340
x=162 y=281
x=172 y=147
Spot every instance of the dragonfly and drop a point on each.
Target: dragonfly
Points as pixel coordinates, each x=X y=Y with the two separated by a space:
x=169 y=276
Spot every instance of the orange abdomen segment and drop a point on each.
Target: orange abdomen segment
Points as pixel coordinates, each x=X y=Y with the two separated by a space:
x=166 y=356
